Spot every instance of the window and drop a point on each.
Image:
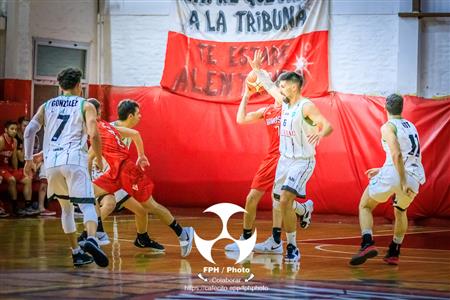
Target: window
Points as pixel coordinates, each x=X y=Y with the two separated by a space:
x=51 y=56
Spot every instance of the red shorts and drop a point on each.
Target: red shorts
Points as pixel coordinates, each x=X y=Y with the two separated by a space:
x=131 y=179
x=265 y=175
x=8 y=174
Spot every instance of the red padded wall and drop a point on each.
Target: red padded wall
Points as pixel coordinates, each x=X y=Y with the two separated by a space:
x=200 y=156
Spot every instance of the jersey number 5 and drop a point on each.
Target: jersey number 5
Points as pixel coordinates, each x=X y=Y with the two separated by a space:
x=414 y=145
x=58 y=132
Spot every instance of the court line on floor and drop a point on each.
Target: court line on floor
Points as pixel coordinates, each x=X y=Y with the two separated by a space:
x=375 y=235
x=320 y=248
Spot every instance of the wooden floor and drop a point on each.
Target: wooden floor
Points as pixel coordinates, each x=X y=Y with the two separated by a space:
x=35 y=263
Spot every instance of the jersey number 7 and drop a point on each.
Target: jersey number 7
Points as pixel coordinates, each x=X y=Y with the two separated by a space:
x=58 y=132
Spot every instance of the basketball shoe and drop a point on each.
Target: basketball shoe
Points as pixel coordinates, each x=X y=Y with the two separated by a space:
x=366 y=251
x=269 y=246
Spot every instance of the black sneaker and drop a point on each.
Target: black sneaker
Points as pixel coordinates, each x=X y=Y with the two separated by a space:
x=82 y=238
x=367 y=251
x=147 y=242
x=82 y=258
x=91 y=247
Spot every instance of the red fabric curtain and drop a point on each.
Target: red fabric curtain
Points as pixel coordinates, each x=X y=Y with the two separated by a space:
x=200 y=156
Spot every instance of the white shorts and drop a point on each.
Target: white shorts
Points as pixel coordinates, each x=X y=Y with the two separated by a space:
x=387 y=183
x=70 y=182
x=292 y=175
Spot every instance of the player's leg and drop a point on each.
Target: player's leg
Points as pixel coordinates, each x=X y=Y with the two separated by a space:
x=57 y=187
x=81 y=191
x=185 y=235
x=12 y=190
x=401 y=203
x=367 y=250
x=27 y=192
x=142 y=240
x=298 y=174
x=251 y=205
x=273 y=244
x=289 y=219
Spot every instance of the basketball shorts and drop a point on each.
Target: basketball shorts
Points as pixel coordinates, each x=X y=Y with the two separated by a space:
x=8 y=174
x=292 y=175
x=387 y=183
x=70 y=182
x=131 y=179
x=265 y=175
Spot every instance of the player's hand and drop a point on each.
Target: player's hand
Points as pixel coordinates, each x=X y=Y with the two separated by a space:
x=98 y=164
x=314 y=138
x=407 y=190
x=142 y=162
x=256 y=62
x=38 y=158
x=372 y=172
x=247 y=91
x=28 y=168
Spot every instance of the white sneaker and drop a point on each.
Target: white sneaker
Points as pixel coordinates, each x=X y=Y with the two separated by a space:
x=186 y=245
x=233 y=246
x=305 y=220
x=103 y=238
x=269 y=246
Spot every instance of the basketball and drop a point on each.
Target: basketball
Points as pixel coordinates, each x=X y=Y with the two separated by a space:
x=253 y=84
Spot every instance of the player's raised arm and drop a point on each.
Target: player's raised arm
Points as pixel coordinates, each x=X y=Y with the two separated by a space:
x=264 y=77
x=28 y=140
x=92 y=130
x=244 y=117
x=323 y=126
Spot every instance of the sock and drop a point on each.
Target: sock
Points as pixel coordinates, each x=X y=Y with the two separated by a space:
x=292 y=238
x=14 y=205
x=276 y=233
x=142 y=236
x=394 y=249
x=76 y=250
x=176 y=228
x=247 y=233
x=28 y=204
x=100 y=225
x=366 y=239
x=398 y=239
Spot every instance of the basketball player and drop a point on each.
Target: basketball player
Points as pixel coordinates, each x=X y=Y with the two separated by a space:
x=401 y=175
x=127 y=175
x=68 y=121
x=129 y=117
x=302 y=126
x=11 y=173
x=264 y=177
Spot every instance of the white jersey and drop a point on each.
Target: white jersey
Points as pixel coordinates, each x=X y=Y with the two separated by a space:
x=65 y=134
x=294 y=129
x=408 y=139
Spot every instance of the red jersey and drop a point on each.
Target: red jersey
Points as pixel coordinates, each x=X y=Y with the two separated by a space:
x=7 y=151
x=272 y=117
x=114 y=151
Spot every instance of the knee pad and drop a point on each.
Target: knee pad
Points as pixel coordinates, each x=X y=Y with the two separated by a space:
x=89 y=213
x=68 y=219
